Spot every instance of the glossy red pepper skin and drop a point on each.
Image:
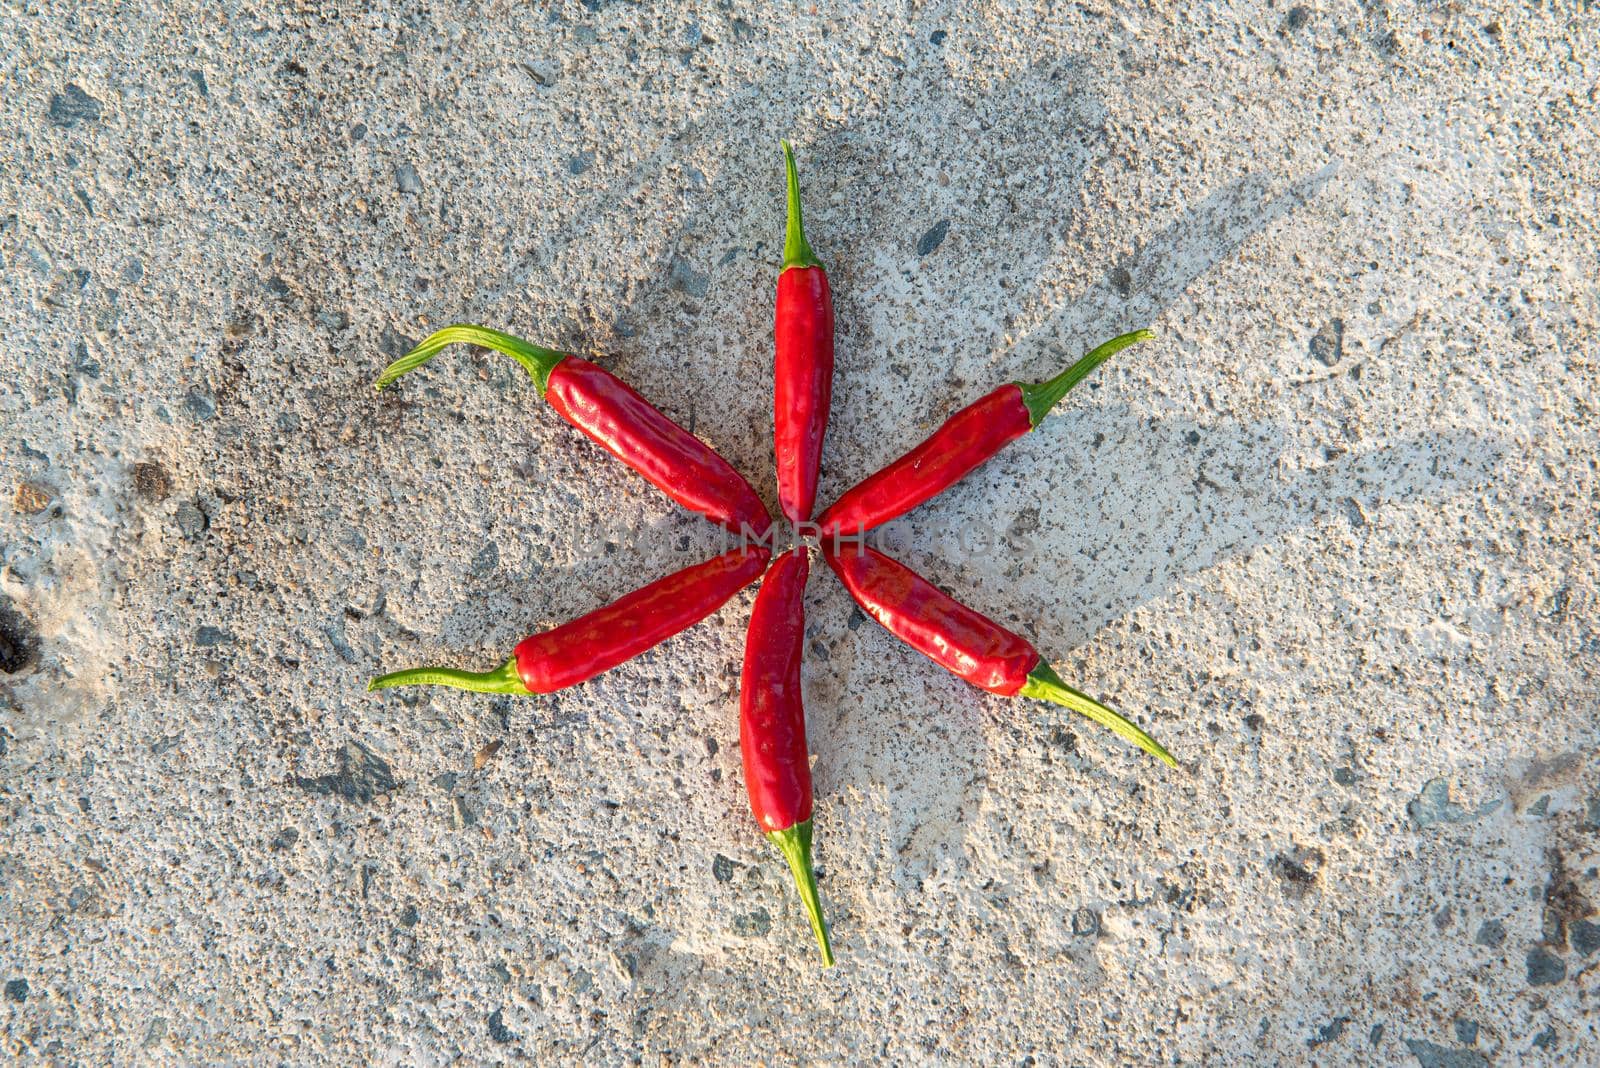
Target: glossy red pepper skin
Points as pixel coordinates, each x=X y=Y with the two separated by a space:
x=622 y=422
x=668 y=456
x=772 y=727
x=963 y=641
x=577 y=651
x=802 y=385
x=932 y=622
x=803 y=368
x=772 y=719
x=964 y=442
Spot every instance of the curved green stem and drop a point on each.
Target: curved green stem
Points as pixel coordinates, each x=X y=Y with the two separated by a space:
x=503 y=679
x=795 y=844
x=539 y=361
x=1044 y=684
x=1040 y=397
x=796 y=250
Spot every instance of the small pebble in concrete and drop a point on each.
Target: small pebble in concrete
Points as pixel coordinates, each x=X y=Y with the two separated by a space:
x=486 y=560
x=192 y=522
x=17 y=990
x=683 y=277
x=406 y=179
x=1297 y=871
x=1585 y=937
x=18 y=640
x=1328 y=1032
x=1433 y=805
x=498 y=1030
x=151 y=482
x=71 y=106
x=1327 y=345
x=753 y=924
x=486 y=753
x=543 y=74
x=722 y=869
x=1085 y=922
x=200 y=404
x=1429 y=1055
x=933 y=238
x=32 y=498
x=1063 y=738
x=1466 y=1031
x=86 y=363
x=207 y=637
x=1491 y=933
x=360 y=775
x=1544 y=967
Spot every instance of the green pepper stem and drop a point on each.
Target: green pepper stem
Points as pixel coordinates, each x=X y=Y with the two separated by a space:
x=796 y=250
x=795 y=844
x=503 y=679
x=1043 y=683
x=1040 y=397
x=539 y=361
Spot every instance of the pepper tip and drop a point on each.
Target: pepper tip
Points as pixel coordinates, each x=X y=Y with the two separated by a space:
x=1044 y=684
x=795 y=845
x=796 y=249
x=503 y=679
x=1040 y=397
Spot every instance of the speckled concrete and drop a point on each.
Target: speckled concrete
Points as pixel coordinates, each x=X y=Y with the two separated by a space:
x=1332 y=537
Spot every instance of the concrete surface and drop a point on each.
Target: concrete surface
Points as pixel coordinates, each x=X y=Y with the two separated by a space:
x=1332 y=537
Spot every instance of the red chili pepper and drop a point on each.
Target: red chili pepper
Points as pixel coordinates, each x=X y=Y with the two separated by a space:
x=578 y=651
x=772 y=727
x=622 y=422
x=965 y=441
x=803 y=378
x=961 y=640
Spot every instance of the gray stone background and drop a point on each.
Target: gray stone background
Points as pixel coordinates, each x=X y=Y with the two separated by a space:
x=1332 y=537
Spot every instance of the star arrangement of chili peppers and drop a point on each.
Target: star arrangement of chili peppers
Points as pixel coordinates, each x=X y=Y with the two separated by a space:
x=772 y=731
